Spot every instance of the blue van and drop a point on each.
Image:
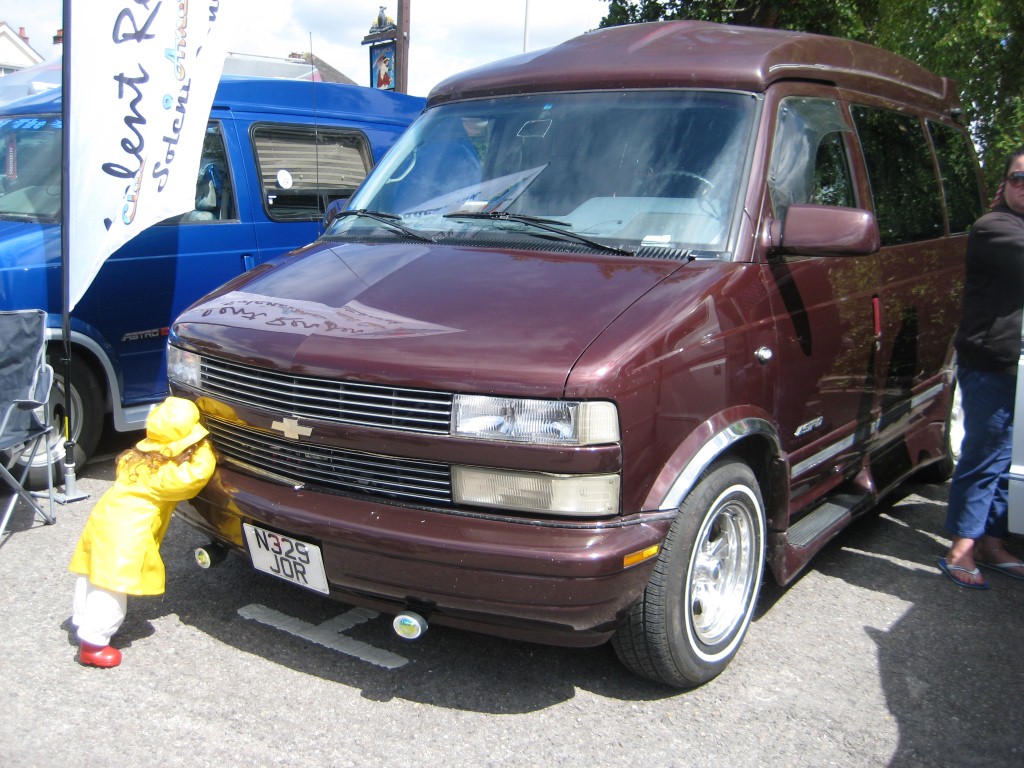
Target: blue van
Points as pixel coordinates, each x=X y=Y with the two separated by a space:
x=276 y=154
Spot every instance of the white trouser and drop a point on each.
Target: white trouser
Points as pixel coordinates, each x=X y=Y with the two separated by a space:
x=97 y=613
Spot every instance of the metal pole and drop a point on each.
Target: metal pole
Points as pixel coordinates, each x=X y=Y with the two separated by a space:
x=526 y=26
x=402 y=47
x=70 y=491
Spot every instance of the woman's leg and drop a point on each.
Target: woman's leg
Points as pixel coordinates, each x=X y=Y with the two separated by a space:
x=977 y=497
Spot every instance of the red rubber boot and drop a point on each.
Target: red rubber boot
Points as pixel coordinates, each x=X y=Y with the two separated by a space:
x=98 y=655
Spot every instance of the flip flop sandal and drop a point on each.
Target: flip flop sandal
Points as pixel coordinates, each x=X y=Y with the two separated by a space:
x=950 y=570
x=1005 y=568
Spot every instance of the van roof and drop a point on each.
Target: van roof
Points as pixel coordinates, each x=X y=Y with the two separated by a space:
x=275 y=95
x=701 y=54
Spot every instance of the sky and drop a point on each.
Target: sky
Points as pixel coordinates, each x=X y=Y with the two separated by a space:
x=446 y=36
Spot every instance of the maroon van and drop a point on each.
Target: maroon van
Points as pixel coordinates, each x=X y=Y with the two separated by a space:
x=612 y=326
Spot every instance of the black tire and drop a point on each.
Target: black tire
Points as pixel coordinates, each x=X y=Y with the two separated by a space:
x=86 y=424
x=699 y=601
x=942 y=470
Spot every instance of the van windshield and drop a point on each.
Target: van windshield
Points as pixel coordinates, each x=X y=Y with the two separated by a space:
x=30 y=184
x=628 y=170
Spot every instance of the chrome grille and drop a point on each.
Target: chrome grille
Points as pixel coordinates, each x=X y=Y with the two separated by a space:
x=320 y=467
x=311 y=397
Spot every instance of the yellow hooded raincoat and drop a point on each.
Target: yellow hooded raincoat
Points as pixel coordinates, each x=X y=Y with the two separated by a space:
x=119 y=548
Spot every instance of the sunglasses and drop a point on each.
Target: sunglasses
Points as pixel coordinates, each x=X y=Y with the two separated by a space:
x=1016 y=179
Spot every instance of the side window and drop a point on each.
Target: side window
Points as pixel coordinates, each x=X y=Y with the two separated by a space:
x=902 y=175
x=809 y=163
x=303 y=168
x=959 y=181
x=215 y=196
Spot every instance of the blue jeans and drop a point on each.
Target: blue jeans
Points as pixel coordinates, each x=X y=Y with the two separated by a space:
x=978 y=491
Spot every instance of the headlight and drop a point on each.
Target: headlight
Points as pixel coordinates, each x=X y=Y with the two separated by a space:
x=576 y=495
x=182 y=366
x=544 y=422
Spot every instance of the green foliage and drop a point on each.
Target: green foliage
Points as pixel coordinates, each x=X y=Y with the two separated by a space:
x=977 y=43
x=826 y=18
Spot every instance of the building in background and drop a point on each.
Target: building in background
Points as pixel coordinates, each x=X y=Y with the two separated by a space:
x=15 y=52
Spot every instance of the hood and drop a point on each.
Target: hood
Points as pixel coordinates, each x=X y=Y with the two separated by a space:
x=172 y=427
x=451 y=318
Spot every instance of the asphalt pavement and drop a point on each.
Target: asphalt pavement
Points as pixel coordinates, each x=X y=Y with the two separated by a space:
x=871 y=658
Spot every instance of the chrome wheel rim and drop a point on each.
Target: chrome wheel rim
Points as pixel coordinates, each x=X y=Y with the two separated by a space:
x=722 y=571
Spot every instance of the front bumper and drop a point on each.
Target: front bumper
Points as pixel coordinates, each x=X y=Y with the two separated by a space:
x=541 y=581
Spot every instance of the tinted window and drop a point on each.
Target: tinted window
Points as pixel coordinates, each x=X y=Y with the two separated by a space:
x=809 y=163
x=959 y=182
x=303 y=168
x=902 y=175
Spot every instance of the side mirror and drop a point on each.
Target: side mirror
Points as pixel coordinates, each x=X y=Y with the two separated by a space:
x=825 y=230
x=333 y=209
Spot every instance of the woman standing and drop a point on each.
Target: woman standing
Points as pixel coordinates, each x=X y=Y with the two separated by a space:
x=988 y=346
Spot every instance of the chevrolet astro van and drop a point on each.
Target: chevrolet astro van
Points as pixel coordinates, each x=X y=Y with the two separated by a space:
x=614 y=326
x=276 y=153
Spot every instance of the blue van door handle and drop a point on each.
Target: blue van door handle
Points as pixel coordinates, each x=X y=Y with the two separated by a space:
x=248 y=261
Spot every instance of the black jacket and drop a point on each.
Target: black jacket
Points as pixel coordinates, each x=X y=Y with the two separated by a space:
x=989 y=335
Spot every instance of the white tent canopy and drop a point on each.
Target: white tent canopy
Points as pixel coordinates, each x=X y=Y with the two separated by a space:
x=47 y=75
x=31 y=80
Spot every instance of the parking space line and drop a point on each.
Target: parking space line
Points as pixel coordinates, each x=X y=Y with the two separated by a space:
x=328 y=634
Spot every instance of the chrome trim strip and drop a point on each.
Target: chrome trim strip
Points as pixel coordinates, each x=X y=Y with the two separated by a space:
x=710 y=451
x=929 y=394
x=823 y=455
x=838 y=447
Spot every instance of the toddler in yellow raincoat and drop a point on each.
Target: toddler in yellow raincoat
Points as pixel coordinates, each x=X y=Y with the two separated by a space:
x=118 y=553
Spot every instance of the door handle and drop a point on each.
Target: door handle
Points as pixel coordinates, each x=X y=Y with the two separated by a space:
x=876 y=311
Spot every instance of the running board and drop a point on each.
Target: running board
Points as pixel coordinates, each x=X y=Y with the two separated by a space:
x=811 y=526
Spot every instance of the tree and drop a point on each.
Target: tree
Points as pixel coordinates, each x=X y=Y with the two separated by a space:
x=980 y=45
x=977 y=43
x=838 y=18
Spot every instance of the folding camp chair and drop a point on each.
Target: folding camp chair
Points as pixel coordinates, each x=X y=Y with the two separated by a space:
x=25 y=381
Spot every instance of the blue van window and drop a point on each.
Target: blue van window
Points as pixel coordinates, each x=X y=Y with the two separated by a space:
x=302 y=169
x=31 y=177
x=214 y=196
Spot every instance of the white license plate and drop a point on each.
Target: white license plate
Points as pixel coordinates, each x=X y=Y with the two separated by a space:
x=287 y=558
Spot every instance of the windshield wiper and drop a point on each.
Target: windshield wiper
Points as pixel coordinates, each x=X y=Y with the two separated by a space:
x=18 y=217
x=388 y=219
x=548 y=225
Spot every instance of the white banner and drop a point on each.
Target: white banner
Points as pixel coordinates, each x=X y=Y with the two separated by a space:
x=143 y=77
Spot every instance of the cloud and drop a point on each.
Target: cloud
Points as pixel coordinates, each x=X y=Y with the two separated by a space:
x=447 y=36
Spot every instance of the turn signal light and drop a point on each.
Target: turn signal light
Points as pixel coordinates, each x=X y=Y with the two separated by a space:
x=639 y=557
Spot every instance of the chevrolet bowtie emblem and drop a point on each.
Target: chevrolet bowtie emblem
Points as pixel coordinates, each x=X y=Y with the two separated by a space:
x=291 y=429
